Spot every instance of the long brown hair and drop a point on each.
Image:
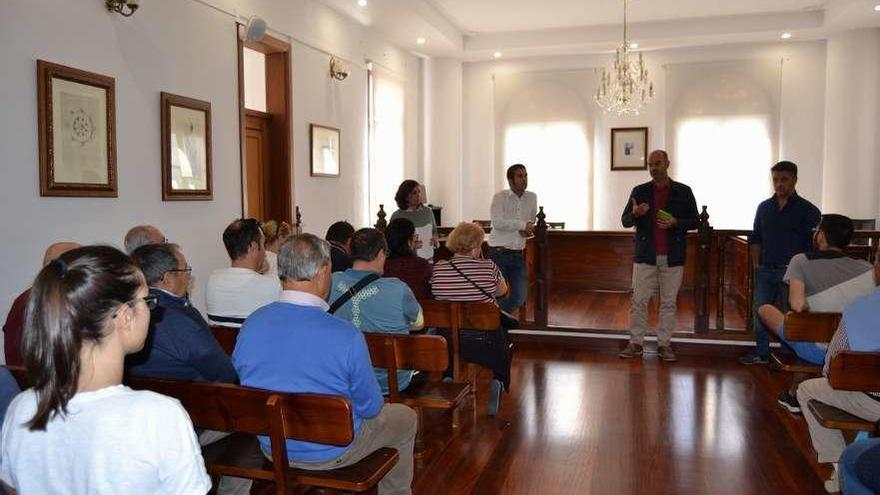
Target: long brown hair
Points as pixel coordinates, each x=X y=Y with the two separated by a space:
x=71 y=301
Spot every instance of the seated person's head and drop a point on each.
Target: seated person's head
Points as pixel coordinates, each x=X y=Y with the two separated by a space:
x=834 y=231
x=141 y=235
x=275 y=233
x=57 y=249
x=164 y=267
x=87 y=308
x=409 y=195
x=401 y=237
x=466 y=239
x=340 y=233
x=304 y=264
x=244 y=243
x=368 y=250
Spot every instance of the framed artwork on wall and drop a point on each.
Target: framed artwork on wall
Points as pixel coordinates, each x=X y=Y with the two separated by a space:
x=186 y=148
x=76 y=114
x=629 y=148
x=325 y=151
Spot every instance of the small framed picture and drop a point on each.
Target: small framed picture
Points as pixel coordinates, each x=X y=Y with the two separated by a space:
x=629 y=148
x=186 y=148
x=325 y=151
x=76 y=112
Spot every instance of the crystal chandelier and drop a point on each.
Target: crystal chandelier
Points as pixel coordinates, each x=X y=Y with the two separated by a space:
x=625 y=88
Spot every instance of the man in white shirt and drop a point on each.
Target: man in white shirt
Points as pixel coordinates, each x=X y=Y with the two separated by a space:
x=513 y=220
x=234 y=293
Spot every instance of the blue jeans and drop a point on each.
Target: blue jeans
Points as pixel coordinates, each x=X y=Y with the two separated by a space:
x=768 y=287
x=513 y=266
x=808 y=351
x=849 y=479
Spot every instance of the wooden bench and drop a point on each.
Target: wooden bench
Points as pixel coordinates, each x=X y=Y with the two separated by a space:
x=226 y=337
x=247 y=412
x=852 y=371
x=804 y=327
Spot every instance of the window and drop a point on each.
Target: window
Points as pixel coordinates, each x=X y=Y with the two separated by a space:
x=254 y=79
x=386 y=138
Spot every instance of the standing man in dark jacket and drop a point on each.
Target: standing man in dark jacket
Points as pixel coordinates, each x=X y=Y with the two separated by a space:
x=663 y=211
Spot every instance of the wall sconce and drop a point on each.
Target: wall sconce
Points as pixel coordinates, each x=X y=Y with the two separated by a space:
x=123 y=7
x=337 y=69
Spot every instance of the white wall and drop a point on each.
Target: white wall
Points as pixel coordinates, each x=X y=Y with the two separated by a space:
x=801 y=133
x=188 y=48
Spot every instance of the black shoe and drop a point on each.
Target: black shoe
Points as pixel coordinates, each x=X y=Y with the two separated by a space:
x=789 y=401
x=752 y=358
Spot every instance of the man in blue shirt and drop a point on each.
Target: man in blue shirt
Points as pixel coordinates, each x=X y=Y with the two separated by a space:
x=783 y=228
x=384 y=305
x=294 y=345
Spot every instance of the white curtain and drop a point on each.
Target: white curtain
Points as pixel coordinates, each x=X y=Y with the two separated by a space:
x=542 y=120
x=722 y=134
x=386 y=139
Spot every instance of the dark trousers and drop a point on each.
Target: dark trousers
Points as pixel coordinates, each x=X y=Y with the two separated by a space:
x=513 y=266
x=768 y=288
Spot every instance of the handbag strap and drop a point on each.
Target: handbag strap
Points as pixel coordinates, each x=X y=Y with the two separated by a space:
x=352 y=291
x=484 y=291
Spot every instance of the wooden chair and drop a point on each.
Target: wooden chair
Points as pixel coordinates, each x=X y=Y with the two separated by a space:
x=226 y=337
x=852 y=371
x=805 y=327
x=248 y=412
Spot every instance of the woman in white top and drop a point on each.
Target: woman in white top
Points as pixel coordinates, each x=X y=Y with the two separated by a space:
x=274 y=234
x=78 y=429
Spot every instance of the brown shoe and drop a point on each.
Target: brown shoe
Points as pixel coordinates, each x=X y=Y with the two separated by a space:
x=666 y=354
x=630 y=351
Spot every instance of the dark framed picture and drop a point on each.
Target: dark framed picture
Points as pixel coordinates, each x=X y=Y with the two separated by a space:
x=76 y=113
x=629 y=148
x=186 y=149
x=325 y=151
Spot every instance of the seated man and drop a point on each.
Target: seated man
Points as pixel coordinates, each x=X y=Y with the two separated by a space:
x=372 y=303
x=179 y=344
x=141 y=235
x=14 y=326
x=826 y=280
x=293 y=345
x=234 y=293
x=339 y=236
x=857 y=332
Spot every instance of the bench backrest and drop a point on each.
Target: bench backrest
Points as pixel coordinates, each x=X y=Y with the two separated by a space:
x=457 y=316
x=406 y=352
x=855 y=371
x=226 y=337
x=811 y=327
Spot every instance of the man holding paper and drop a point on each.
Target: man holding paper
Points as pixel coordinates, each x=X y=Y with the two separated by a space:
x=662 y=211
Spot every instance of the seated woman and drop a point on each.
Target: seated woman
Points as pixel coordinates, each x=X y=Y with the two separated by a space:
x=274 y=234
x=410 y=200
x=78 y=429
x=468 y=277
x=402 y=263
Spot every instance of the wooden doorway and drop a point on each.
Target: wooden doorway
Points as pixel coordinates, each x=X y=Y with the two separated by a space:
x=266 y=179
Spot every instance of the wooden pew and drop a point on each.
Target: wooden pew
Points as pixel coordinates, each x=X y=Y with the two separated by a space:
x=804 y=327
x=248 y=412
x=226 y=337
x=852 y=371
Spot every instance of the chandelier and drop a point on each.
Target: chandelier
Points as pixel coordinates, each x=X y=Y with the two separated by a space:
x=625 y=88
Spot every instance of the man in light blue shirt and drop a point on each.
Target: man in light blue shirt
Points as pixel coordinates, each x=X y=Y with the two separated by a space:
x=293 y=345
x=384 y=305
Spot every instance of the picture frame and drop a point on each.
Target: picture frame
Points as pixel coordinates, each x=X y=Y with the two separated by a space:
x=187 y=173
x=629 y=148
x=76 y=115
x=325 y=159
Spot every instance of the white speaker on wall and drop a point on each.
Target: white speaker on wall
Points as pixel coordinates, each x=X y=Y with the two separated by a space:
x=254 y=29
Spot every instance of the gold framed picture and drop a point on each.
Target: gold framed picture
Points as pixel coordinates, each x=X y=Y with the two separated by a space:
x=325 y=151
x=629 y=148
x=186 y=149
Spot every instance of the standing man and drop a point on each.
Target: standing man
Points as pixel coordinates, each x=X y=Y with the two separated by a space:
x=783 y=228
x=663 y=211
x=513 y=219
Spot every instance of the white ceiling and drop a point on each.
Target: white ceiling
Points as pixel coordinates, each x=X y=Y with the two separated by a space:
x=474 y=29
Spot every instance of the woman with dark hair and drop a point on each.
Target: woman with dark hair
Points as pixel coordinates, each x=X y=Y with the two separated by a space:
x=402 y=262
x=410 y=201
x=78 y=429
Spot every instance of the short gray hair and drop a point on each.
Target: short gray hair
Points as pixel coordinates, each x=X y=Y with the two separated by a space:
x=301 y=256
x=140 y=235
x=155 y=260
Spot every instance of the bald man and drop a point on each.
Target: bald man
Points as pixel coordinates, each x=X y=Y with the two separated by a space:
x=142 y=235
x=662 y=211
x=15 y=319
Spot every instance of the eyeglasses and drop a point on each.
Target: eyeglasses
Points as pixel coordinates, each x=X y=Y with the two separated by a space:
x=151 y=300
x=188 y=269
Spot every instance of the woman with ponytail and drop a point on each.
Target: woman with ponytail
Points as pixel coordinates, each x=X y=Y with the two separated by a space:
x=78 y=429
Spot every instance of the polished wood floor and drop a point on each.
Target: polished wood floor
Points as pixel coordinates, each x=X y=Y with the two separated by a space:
x=610 y=311
x=579 y=420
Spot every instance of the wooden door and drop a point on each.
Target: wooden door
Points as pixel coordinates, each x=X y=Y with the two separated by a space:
x=257 y=141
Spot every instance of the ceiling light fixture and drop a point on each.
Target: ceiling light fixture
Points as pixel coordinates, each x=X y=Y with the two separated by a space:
x=633 y=45
x=420 y=40
x=877 y=8
x=625 y=87
x=497 y=54
x=362 y=3
x=785 y=36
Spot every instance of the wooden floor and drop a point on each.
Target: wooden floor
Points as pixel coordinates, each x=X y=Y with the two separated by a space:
x=610 y=311
x=579 y=420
